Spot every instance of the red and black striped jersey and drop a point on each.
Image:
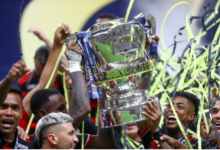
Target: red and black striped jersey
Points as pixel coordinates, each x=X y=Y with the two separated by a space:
x=17 y=143
x=31 y=80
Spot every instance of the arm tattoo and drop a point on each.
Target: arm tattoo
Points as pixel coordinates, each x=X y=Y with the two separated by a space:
x=80 y=99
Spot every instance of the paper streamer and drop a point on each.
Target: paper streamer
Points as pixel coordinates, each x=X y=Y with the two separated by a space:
x=129 y=10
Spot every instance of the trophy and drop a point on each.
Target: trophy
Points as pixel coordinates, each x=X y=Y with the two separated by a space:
x=115 y=59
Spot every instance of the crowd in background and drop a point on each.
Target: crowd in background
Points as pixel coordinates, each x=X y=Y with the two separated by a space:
x=57 y=125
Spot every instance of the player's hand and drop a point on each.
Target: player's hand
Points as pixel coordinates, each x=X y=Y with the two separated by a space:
x=175 y=144
x=153 y=113
x=17 y=70
x=61 y=34
x=22 y=133
x=39 y=33
x=155 y=37
x=74 y=46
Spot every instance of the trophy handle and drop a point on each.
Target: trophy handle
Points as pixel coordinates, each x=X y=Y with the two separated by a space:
x=70 y=38
x=150 y=23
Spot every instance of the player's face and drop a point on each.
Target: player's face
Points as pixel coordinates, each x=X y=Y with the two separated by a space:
x=38 y=67
x=216 y=115
x=181 y=107
x=10 y=114
x=57 y=103
x=66 y=137
x=132 y=130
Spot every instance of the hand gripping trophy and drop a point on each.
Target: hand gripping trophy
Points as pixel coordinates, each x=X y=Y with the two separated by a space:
x=114 y=59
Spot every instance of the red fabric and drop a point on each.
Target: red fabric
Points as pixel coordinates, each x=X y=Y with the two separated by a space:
x=32 y=135
x=6 y=147
x=26 y=139
x=24 y=120
x=57 y=82
x=33 y=125
x=153 y=145
x=94 y=104
x=93 y=119
x=24 y=79
x=23 y=93
x=90 y=137
x=143 y=132
x=192 y=137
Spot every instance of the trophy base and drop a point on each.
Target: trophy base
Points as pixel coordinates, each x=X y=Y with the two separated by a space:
x=123 y=115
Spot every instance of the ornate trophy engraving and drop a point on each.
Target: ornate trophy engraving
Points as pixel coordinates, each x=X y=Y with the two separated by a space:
x=115 y=59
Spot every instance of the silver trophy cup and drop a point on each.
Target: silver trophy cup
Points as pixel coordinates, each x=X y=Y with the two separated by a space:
x=121 y=59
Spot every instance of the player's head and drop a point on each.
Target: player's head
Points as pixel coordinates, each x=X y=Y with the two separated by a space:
x=186 y=106
x=10 y=112
x=132 y=130
x=40 y=59
x=215 y=114
x=105 y=17
x=55 y=131
x=46 y=101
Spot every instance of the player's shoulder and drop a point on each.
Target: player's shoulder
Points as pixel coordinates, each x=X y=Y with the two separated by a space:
x=24 y=144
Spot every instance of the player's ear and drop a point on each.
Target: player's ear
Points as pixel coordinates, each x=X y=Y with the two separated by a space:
x=203 y=129
x=52 y=138
x=191 y=116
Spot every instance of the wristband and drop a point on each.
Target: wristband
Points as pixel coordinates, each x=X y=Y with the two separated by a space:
x=74 y=62
x=74 y=66
x=157 y=135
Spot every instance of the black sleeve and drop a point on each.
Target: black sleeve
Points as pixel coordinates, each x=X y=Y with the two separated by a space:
x=87 y=139
x=145 y=136
x=117 y=136
x=34 y=141
x=210 y=143
x=89 y=127
x=146 y=139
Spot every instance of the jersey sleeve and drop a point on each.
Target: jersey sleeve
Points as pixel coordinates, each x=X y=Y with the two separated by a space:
x=33 y=139
x=87 y=139
x=211 y=143
x=24 y=120
x=193 y=141
x=145 y=136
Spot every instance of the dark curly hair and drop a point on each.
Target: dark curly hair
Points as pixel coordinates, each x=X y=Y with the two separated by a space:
x=40 y=98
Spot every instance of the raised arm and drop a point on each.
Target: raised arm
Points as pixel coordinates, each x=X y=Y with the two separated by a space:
x=89 y=126
x=104 y=137
x=153 y=113
x=59 y=40
x=80 y=104
x=80 y=100
x=43 y=37
x=17 y=70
